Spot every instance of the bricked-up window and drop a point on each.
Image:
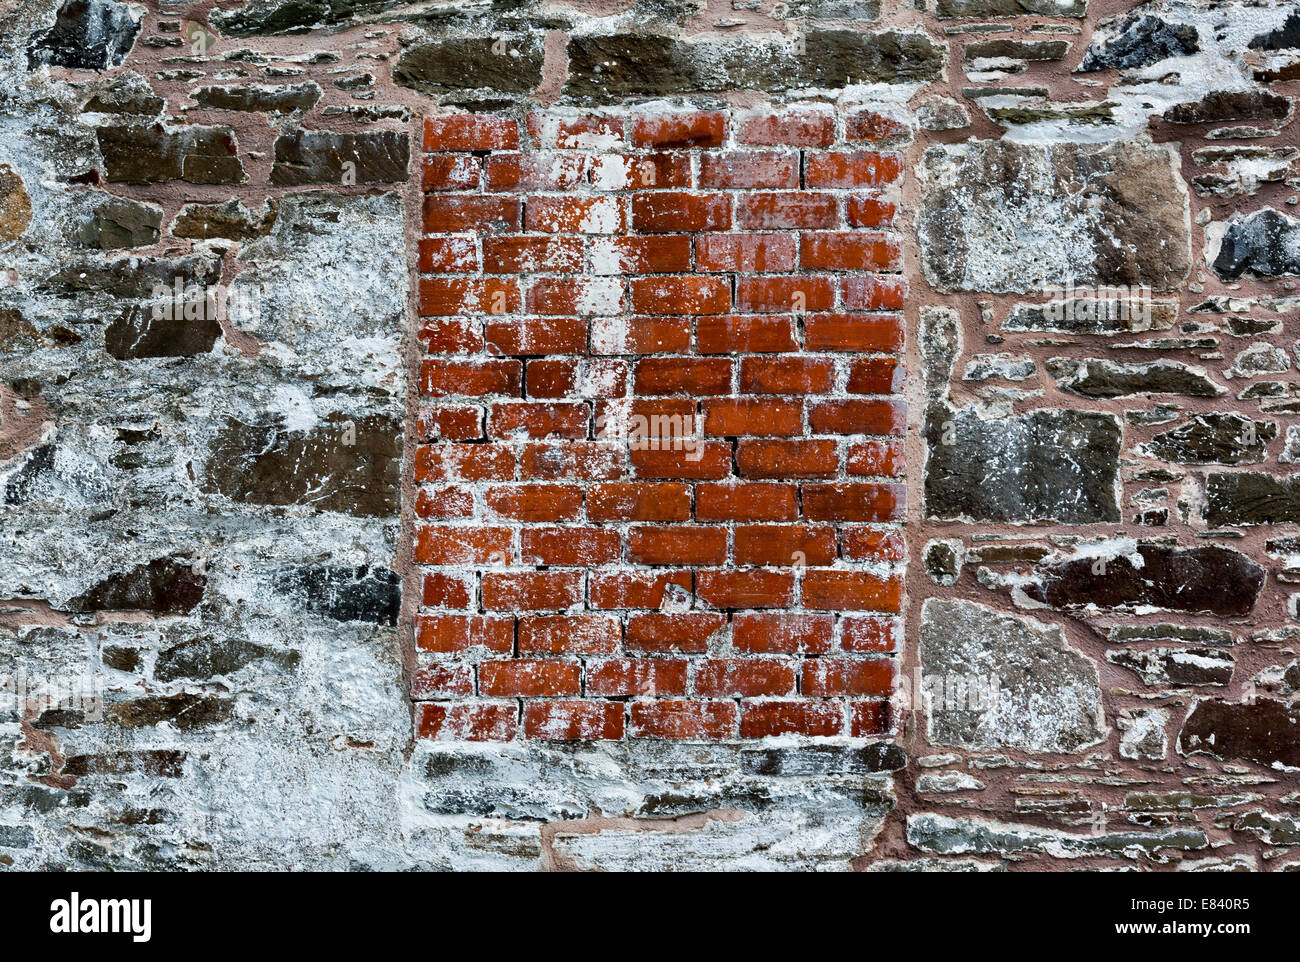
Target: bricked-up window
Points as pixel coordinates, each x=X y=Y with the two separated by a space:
x=659 y=475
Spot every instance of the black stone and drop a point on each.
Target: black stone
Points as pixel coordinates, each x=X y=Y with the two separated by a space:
x=1215 y=439
x=133 y=277
x=319 y=156
x=142 y=332
x=164 y=586
x=87 y=35
x=154 y=154
x=1103 y=378
x=344 y=593
x=1286 y=37
x=1223 y=106
x=185 y=710
x=1267 y=732
x=117 y=223
x=823 y=759
x=951 y=9
x=1017 y=49
x=253 y=97
x=208 y=657
x=1141 y=41
x=510 y=64
x=1249 y=497
x=1206 y=578
x=1265 y=244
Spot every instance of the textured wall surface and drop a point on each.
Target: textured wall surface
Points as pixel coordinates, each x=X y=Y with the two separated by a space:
x=649 y=434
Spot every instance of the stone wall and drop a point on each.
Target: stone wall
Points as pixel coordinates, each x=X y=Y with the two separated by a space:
x=495 y=436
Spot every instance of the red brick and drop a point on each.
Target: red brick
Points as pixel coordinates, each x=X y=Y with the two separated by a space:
x=638 y=501
x=750 y=169
x=451 y=172
x=586 y=132
x=691 y=376
x=464 y=462
x=787 y=375
x=665 y=254
x=570 y=546
x=448 y=255
x=873 y=293
x=581 y=295
x=784 y=544
x=752 y=501
x=442 y=681
x=746 y=253
x=686 y=632
x=743 y=677
x=870 y=717
x=529 y=679
x=874 y=126
x=564 y=635
x=876 y=459
x=793 y=210
x=536 y=335
x=470 y=132
x=854 y=502
x=868 y=210
x=875 y=375
x=442 y=378
x=744 y=334
x=859 y=333
x=532 y=255
x=531 y=590
x=681 y=295
x=782 y=633
x=679 y=130
x=446 y=591
x=538 y=420
x=825 y=677
x=640 y=172
x=701 y=720
x=752 y=588
x=573 y=720
x=677 y=545
x=778 y=294
x=452 y=215
x=862 y=168
x=452 y=335
x=825 y=590
x=534 y=502
x=787 y=459
x=444 y=503
x=845 y=251
x=702 y=461
x=458 y=545
x=791 y=127
x=576 y=215
x=465 y=295
x=769 y=718
x=871 y=634
x=540 y=171
x=873 y=544
x=636 y=589
x=446 y=634
x=483 y=722
x=452 y=422
x=641 y=335
x=573 y=461
x=673 y=212
x=859 y=417
x=628 y=677
x=735 y=416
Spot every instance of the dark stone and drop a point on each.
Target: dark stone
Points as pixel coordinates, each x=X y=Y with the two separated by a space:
x=161 y=763
x=144 y=332
x=505 y=63
x=1141 y=41
x=16 y=836
x=1176 y=666
x=1101 y=378
x=1285 y=37
x=127 y=98
x=1267 y=732
x=943 y=562
x=154 y=154
x=185 y=710
x=1265 y=244
x=230 y=220
x=346 y=466
x=1251 y=326
x=1206 y=578
x=1223 y=106
x=319 y=156
x=209 y=657
x=833 y=10
x=119 y=658
x=1250 y=497
x=1017 y=49
x=258 y=97
x=1214 y=439
x=954 y=9
x=1046 y=465
x=118 y=223
x=164 y=586
x=133 y=277
x=823 y=759
x=636 y=65
x=263 y=17
x=344 y=593
x=87 y=35
x=44 y=477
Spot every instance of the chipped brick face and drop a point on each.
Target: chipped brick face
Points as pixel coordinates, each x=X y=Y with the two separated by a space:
x=660 y=466
x=838 y=436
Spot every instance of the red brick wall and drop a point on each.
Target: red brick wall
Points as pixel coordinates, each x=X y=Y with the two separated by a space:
x=735 y=276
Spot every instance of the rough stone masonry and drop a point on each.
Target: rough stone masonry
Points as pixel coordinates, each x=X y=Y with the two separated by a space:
x=649 y=434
